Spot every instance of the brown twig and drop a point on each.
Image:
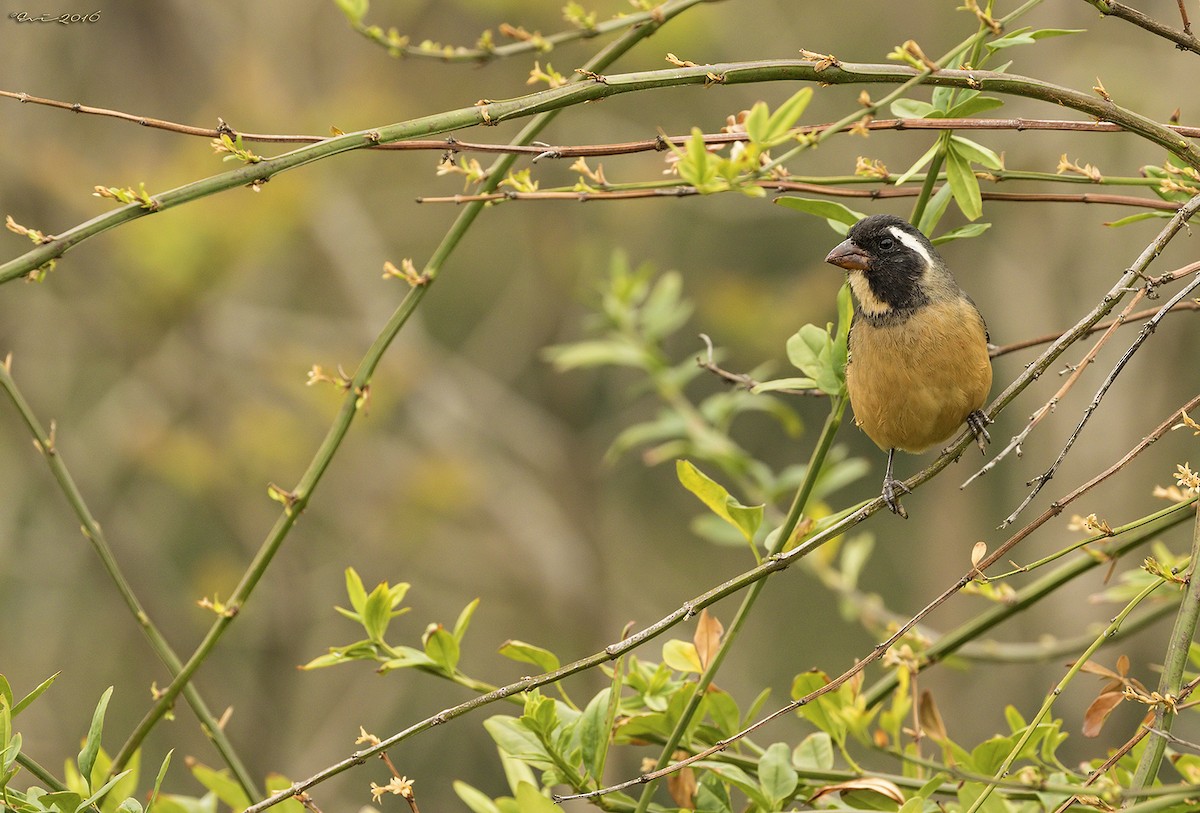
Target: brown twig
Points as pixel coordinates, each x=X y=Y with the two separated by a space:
x=1043 y=478
x=743 y=380
x=658 y=144
x=1184 y=40
x=795 y=186
x=1048 y=407
x=1120 y=752
x=880 y=649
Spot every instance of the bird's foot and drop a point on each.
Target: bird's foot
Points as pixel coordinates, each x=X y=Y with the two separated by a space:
x=977 y=422
x=892 y=489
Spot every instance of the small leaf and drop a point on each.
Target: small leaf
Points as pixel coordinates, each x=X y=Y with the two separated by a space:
x=91 y=746
x=1099 y=710
x=530 y=800
x=776 y=776
x=814 y=753
x=756 y=122
x=746 y=518
x=784 y=384
x=920 y=163
x=963 y=185
x=543 y=659
x=840 y=218
x=594 y=736
x=976 y=153
x=595 y=354
x=464 y=620
x=707 y=638
x=354 y=10
x=811 y=350
x=681 y=656
x=970 y=230
x=355 y=590
x=29 y=698
x=442 y=648
x=785 y=117
x=972 y=106
x=223 y=785
x=475 y=799
x=911 y=109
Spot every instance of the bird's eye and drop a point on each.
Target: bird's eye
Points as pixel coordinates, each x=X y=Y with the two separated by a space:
x=887 y=244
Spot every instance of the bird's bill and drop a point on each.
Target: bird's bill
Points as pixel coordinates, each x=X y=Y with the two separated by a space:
x=849 y=256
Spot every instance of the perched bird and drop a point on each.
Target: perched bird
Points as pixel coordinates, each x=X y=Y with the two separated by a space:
x=919 y=365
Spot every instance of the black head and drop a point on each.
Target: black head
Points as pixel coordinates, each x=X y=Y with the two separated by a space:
x=894 y=257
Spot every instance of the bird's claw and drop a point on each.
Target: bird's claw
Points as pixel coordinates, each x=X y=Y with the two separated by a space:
x=892 y=489
x=977 y=422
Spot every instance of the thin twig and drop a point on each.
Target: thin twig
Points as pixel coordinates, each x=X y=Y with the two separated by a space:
x=683 y=191
x=1014 y=444
x=1184 y=40
x=46 y=443
x=657 y=144
x=1040 y=481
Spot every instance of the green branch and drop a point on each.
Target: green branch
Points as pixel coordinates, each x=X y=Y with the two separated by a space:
x=1171 y=681
x=602 y=87
x=45 y=443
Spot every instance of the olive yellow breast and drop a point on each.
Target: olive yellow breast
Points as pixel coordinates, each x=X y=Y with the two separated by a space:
x=912 y=382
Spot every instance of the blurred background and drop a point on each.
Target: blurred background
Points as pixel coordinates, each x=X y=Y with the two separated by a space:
x=172 y=354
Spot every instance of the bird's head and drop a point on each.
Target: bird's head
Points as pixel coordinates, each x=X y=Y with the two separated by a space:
x=893 y=267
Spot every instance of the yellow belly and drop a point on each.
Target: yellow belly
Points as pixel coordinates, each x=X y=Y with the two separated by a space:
x=913 y=384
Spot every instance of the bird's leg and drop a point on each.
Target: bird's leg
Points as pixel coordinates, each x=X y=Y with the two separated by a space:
x=977 y=422
x=892 y=488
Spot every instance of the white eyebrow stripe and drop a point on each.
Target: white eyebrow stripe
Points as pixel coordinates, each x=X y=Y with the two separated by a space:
x=911 y=242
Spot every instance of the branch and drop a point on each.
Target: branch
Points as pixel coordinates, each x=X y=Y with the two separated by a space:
x=656 y=144
x=1040 y=481
x=602 y=87
x=46 y=443
x=1184 y=40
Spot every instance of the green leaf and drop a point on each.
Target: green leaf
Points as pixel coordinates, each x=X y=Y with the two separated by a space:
x=377 y=612
x=963 y=185
x=102 y=790
x=477 y=800
x=64 y=801
x=785 y=117
x=911 y=109
x=91 y=746
x=697 y=166
x=1125 y=221
x=663 y=312
x=920 y=163
x=223 y=785
x=596 y=353
x=973 y=106
x=354 y=10
x=840 y=218
x=746 y=518
x=442 y=648
x=756 y=122
x=811 y=350
x=1024 y=36
x=784 y=384
x=934 y=209
x=740 y=780
x=594 y=734
x=405 y=658
x=517 y=741
x=681 y=656
x=530 y=800
x=976 y=153
x=162 y=773
x=821 y=712
x=356 y=591
x=814 y=753
x=776 y=776
x=970 y=230
x=543 y=659
x=464 y=620
x=840 y=353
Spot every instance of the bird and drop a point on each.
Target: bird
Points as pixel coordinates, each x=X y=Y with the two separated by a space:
x=918 y=365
